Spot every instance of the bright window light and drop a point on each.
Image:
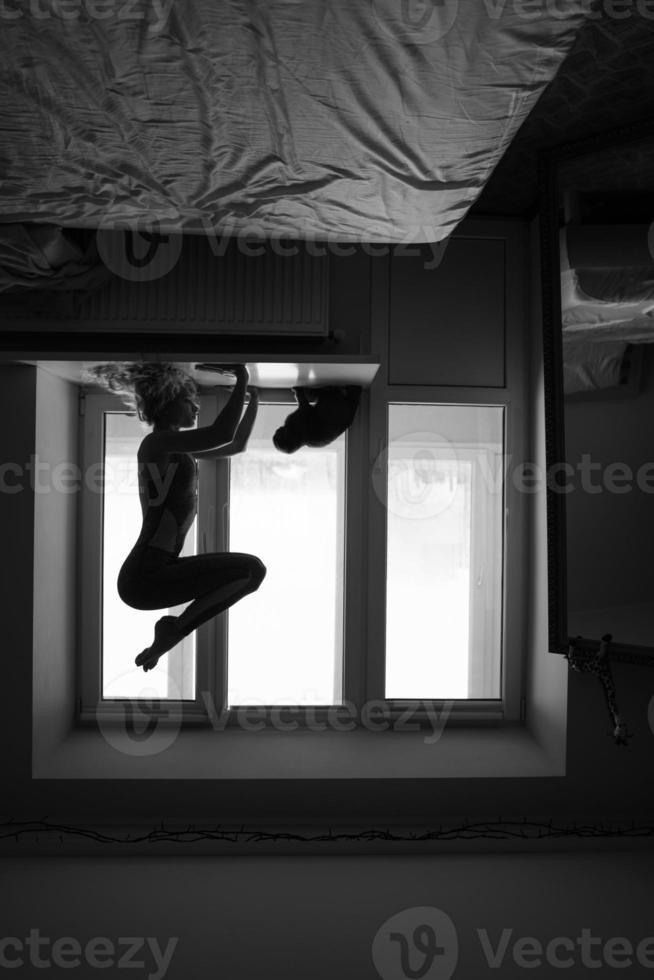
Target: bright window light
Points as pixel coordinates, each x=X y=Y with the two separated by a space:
x=444 y=552
x=286 y=639
x=126 y=631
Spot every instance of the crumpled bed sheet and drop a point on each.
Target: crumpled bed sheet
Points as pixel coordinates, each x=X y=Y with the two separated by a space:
x=603 y=310
x=377 y=121
x=591 y=366
x=589 y=317
x=47 y=257
x=610 y=304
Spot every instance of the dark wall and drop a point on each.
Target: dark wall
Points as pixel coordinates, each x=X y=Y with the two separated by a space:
x=287 y=917
x=602 y=780
x=17 y=435
x=611 y=535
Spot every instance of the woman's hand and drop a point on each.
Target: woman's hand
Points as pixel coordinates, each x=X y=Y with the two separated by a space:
x=241 y=375
x=240 y=371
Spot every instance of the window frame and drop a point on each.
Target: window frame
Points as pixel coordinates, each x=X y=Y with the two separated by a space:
x=513 y=396
x=507 y=708
x=91 y=703
x=481 y=525
x=365 y=518
x=211 y=646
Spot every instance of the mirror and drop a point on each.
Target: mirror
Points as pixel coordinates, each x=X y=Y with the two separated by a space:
x=597 y=239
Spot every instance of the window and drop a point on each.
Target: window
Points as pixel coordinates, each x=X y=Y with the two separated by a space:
x=436 y=540
x=444 y=503
x=285 y=642
x=411 y=529
x=282 y=645
x=126 y=631
x=440 y=555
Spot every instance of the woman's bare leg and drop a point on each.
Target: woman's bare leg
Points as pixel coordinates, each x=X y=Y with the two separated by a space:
x=169 y=630
x=195 y=576
x=166 y=636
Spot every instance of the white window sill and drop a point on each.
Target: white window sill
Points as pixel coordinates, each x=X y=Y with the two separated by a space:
x=193 y=754
x=174 y=753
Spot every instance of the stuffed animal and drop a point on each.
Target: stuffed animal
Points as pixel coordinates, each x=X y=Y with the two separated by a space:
x=318 y=424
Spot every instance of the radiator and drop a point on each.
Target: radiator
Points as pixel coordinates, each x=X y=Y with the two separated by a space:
x=196 y=285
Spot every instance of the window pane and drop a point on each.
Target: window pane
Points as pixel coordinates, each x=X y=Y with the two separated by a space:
x=285 y=640
x=444 y=552
x=126 y=631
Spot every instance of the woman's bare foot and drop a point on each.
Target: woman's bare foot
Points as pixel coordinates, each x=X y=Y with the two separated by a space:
x=166 y=636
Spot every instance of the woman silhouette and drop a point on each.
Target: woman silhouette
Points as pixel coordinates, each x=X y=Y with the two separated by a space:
x=153 y=576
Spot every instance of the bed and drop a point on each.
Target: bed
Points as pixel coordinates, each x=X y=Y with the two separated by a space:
x=372 y=122
x=606 y=311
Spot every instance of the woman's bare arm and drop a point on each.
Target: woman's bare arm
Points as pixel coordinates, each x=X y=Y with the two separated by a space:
x=219 y=434
x=242 y=435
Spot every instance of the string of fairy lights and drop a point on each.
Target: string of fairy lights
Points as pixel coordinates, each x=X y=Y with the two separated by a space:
x=39 y=831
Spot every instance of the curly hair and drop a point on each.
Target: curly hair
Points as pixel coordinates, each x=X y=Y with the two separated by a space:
x=148 y=388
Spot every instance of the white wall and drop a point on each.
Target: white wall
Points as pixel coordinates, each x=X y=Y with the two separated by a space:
x=55 y=548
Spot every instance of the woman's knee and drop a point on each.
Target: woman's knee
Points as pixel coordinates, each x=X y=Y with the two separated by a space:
x=124 y=589
x=136 y=600
x=138 y=595
x=257 y=571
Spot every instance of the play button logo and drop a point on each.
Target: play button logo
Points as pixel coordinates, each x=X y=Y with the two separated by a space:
x=416 y=21
x=138 y=252
x=416 y=944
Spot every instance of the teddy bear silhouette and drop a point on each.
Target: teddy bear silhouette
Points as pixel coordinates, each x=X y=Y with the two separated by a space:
x=318 y=423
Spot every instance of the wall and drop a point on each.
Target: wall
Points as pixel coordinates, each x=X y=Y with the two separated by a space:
x=349 y=301
x=17 y=437
x=246 y=918
x=611 y=535
x=602 y=781
x=55 y=547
